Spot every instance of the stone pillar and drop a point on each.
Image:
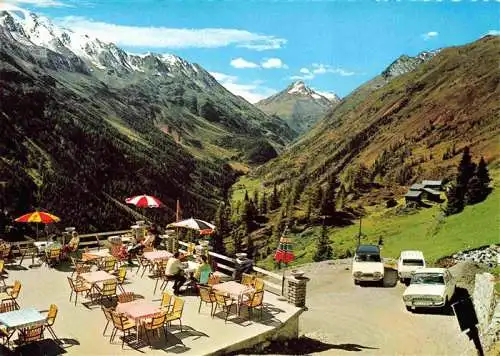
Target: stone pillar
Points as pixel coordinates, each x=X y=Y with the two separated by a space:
x=296 y=292
x=242 y=265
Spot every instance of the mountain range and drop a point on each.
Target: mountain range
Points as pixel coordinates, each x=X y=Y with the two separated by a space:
x=408 y=123
x=85 y=124
x=300 y=106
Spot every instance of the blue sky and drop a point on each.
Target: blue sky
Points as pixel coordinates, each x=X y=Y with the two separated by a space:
x=256 y=48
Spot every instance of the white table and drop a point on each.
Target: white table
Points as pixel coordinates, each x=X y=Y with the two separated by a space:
x=22 y=318
x=191 y=266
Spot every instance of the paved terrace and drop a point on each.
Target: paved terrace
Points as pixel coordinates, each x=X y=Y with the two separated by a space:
x=80 y=327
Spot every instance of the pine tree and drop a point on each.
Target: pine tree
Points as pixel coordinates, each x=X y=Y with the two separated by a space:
x=250 y=247
x=455 y=200
x=474 y=192
x=263 y=204
x=466 y=170
x=222 y=228
x=484 y=177
x=328 y=201
x=274 y=200
x=324 y=250
x=256 y=203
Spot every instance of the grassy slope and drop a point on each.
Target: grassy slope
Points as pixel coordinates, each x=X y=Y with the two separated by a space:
x=426 y=230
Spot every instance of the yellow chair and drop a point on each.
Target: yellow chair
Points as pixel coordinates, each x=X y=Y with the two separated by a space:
x=78 y=286
x=109 y=319
x=53 y=256
x=122 y=324
x=247 y=279
x=176 y=313
x=3 y=273
x=207 y=296
x=157 y=322
x=225 y=302
x=122 y=274
x=165 y=301
x=51 y=318
x=11 y=293
x=259 y=284
x=108 y=264
x=256 y=300
x=108 y=289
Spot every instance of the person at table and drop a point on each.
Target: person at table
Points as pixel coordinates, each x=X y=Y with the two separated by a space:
x=203 y=269
x=174 y=271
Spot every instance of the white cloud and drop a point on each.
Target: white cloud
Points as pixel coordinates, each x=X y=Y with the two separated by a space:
x=302 y=77
x=36 y=3
x=252 y=92
x=494 y=32
x=429 y=35
x=165 y=37
x=243 y=63
x=319 y=69
x=273 y=63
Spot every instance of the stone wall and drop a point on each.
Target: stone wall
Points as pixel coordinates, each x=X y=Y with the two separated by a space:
x=487 y=309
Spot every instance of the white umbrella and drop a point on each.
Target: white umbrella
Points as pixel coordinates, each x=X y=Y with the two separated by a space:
x=205 y=228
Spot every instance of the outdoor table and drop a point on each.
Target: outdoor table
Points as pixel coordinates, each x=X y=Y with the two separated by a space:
x=234 y=289
x=95 y=277
x=94 y=255
x=157 y=255
x=19 y=319
x=191 y=266
x=139 y=310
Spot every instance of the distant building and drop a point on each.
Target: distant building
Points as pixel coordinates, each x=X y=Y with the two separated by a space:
x=431 y=194
x=413 y=196
x=417 y=187
x=433 y=184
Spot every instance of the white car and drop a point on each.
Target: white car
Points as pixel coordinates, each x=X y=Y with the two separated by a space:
x=408 y=263
x=367 y=265
x=429 y=287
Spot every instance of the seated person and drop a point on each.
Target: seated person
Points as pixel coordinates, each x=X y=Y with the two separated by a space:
x=136 y=247
x=174 y=271
x=72 y=245
x=203 y=270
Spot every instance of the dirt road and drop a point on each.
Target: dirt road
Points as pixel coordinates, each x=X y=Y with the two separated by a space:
x=372 y=320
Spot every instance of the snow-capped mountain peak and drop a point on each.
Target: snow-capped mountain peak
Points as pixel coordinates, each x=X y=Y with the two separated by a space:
x=299 y=88
x=31 y=30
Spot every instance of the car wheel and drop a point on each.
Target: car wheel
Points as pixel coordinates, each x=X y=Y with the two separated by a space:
x=409 y=309
x=356 y=282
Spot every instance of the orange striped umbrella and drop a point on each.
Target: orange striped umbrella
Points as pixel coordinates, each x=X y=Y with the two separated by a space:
x=38 y=217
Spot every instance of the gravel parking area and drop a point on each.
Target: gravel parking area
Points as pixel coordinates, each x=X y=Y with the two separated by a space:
x=344 y=318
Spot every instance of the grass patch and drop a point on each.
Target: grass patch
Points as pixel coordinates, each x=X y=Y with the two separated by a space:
x=243 y=184
x=426 y=230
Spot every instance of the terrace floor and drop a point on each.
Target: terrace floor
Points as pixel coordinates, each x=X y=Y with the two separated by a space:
x=80 y=327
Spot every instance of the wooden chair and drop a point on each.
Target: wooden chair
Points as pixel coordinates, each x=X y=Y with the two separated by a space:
x=108 y=289
x=207 y=296
x=225 y=302
x=78 y=286
x=258 y=284
x=8 y=306
x=166 y=301
x=5 y=255
x=123 y=324
x=109 y=319
x=50 y=320
x=121 y=275
x=30 y=334
x=253 y=302
x=143 y=263
x=11 y=293
x=79 y=267
x=247 y=279
x=176 y=313
x=126 y=297
x=157 y=322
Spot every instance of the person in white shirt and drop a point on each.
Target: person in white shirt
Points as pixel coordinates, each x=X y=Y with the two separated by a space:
x=174 y=270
